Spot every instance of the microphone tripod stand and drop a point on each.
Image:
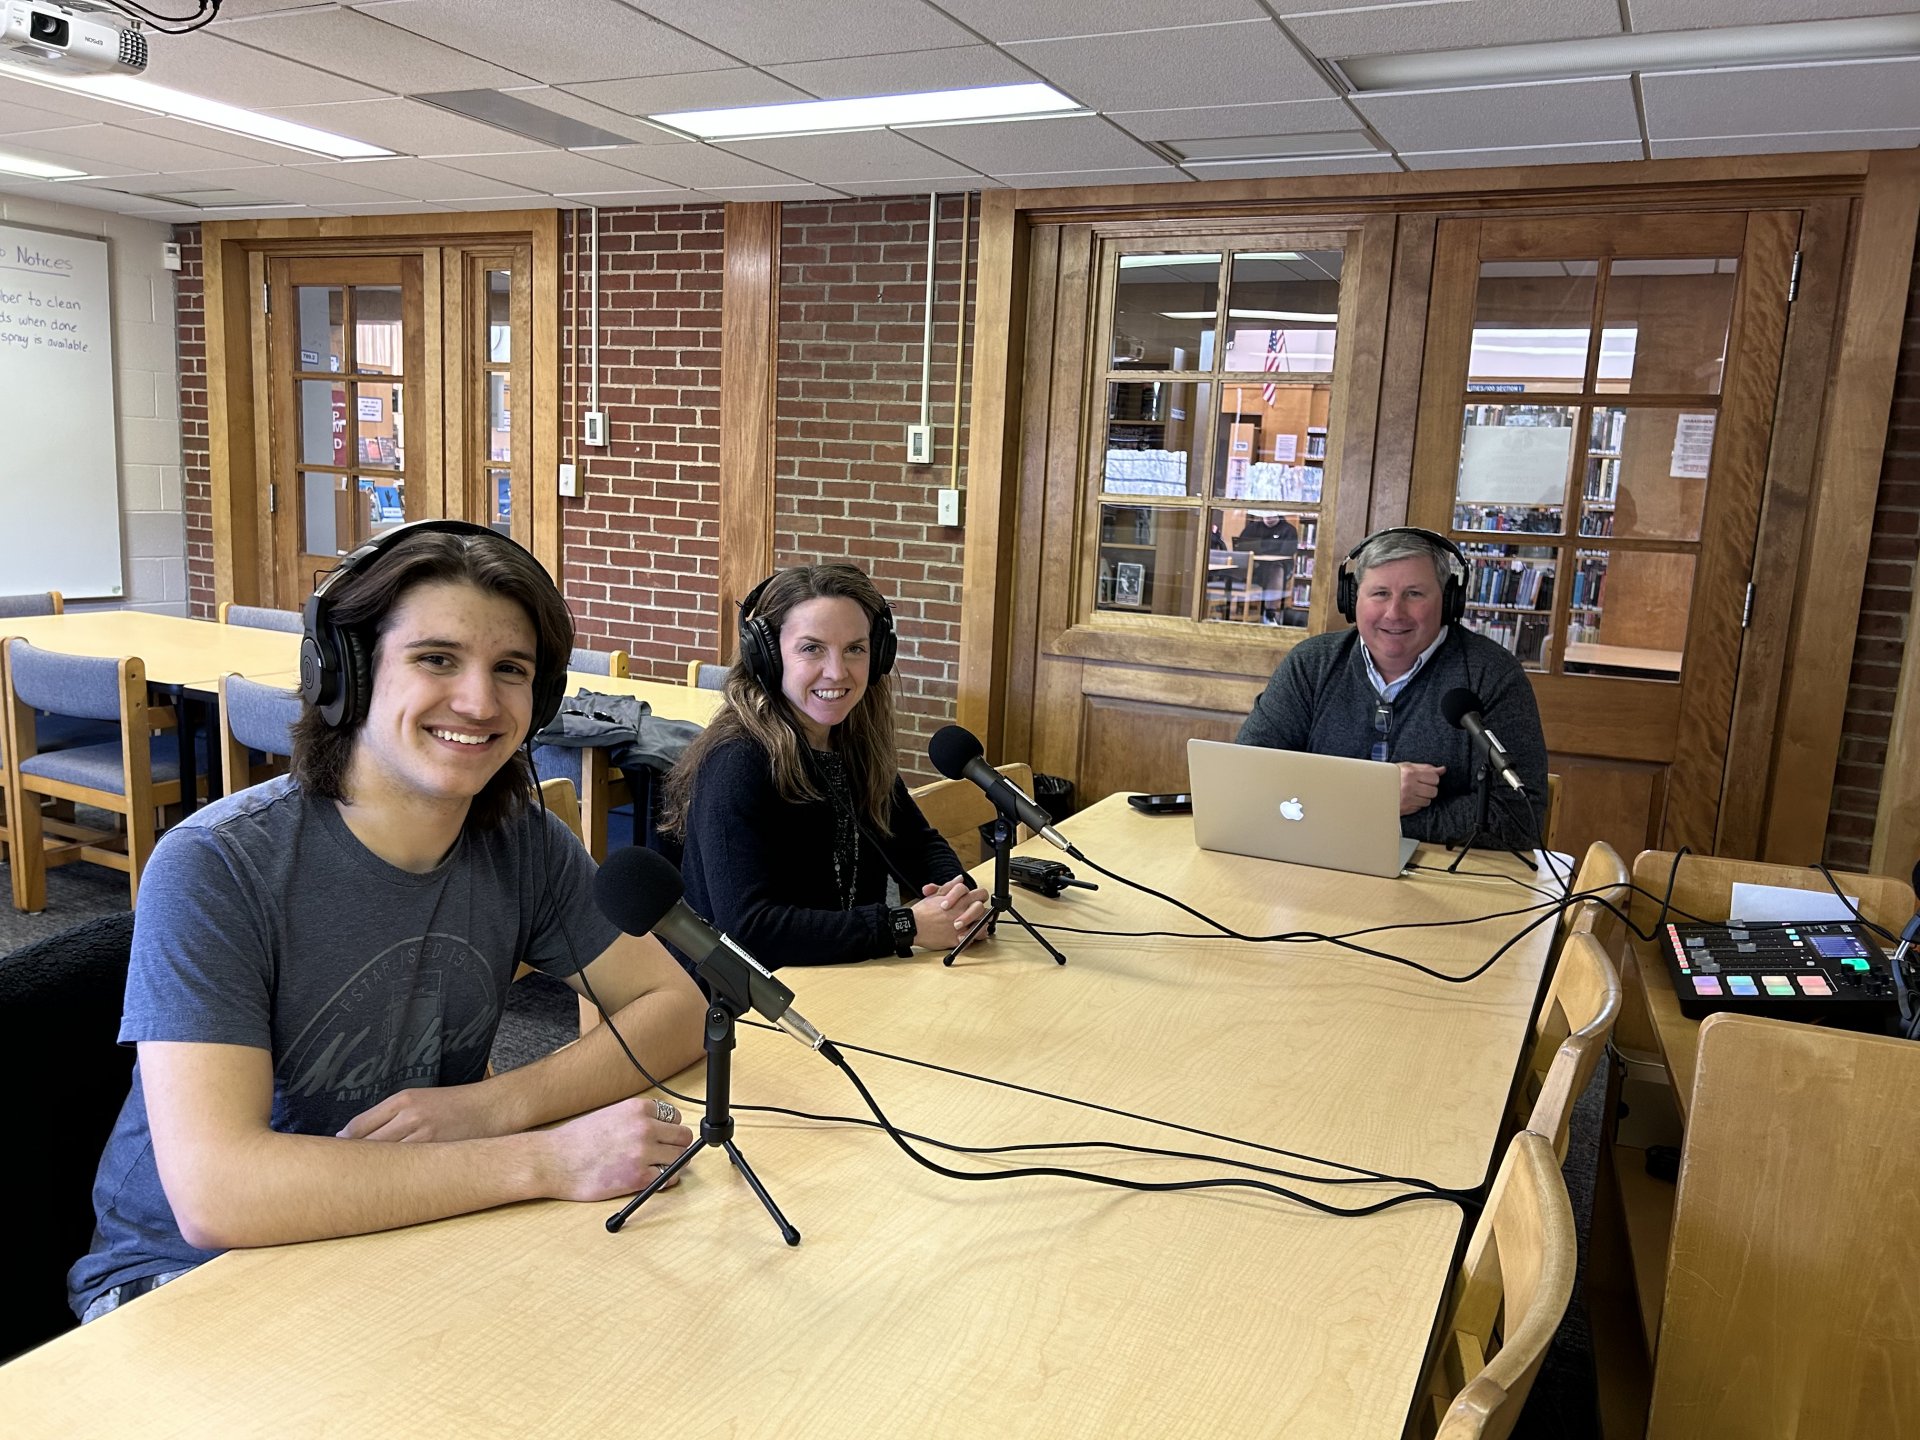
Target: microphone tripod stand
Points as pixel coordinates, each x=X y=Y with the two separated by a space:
x=1000 y=833
x=716 y=1127
x=1483 y=799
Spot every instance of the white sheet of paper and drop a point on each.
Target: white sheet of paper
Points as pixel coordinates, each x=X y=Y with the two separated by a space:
x=1692 y=447
x=1781 y=902
x=1515 y=464
x=1285 y=446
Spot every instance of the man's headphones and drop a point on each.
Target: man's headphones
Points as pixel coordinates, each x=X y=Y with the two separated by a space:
x=760 y=640
x=1453 y=593
x=336 y=661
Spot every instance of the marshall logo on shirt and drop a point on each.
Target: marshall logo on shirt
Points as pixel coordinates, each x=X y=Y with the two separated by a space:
x=386 y=1027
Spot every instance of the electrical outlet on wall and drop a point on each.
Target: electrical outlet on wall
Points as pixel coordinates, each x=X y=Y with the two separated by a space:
x=949 y=507
x=919 y=444
x=568 y=484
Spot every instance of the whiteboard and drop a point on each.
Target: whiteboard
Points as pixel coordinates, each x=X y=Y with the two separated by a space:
x=59 y=460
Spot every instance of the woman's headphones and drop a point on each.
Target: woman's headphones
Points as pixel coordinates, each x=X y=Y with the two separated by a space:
x=760 y=640
x=1453 y=592
x=336 y=661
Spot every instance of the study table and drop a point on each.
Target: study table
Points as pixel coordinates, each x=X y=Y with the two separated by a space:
x=601 y=786
x=184 y=657
x=915 y=1304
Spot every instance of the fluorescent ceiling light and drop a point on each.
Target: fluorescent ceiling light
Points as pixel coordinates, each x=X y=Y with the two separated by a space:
x=145 y=95
x=1142 y=262
x=38 y=169
x=1797 y=43
x=1242 y=148
x=875 y=112
x=1305 y=315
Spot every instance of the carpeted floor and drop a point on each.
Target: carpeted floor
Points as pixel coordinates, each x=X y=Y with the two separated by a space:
x=540 y=1015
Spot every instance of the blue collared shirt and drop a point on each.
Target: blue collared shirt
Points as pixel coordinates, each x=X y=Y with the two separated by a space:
x=1390 y=690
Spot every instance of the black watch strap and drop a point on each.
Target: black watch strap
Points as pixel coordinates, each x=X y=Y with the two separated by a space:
x=903 y=928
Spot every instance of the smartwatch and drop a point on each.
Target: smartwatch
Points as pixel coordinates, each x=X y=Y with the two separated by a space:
x=903 y=928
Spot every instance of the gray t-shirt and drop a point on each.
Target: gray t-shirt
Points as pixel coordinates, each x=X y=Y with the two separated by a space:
x=262 y=921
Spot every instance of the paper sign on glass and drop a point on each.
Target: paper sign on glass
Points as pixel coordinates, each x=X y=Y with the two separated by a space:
x=1515 y=464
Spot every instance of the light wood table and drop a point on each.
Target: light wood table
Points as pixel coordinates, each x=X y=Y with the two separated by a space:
x=183 y=657
x=918 y=1305
x=602 y=788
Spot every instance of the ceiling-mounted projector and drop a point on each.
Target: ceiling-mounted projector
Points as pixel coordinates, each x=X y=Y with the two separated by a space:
x=74 y=42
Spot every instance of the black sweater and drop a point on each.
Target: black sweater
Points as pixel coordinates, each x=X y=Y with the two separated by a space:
x=1321 y=700
x=761 y=868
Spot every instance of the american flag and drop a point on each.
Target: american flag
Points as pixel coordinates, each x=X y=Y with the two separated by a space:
x=1276 y=351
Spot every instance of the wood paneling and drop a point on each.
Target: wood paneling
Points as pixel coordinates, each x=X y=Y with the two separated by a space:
x=1028 y=506
x=1620 y=802
x=1366 y=278
x=1896 y=830
x=1807 y=740
x=1136 y=745
x=1401 y=376
x=749 y=347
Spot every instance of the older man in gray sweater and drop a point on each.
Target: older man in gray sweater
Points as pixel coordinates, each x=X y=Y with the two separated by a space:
x=1374 y=692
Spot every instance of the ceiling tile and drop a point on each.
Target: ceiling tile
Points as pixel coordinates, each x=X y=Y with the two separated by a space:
x=1155 y=69
x=241 y=147
x=423 y=180
x=542 y=202
x=1058 y=179
x=213 y=65
x=551 y=171
x=828 y=159
x=409 y=127
x=959 y=68
x=1316 y=165
x=1565 y=112
x=1051 y=19
x=380 y=54
x=1202 y=122
x=608 y=198
x=15 y=118
x=309 y=184
x=773 y=192
x=575 y=107
x=63 y=107
x=699 y=167
x=109 y=149
x=553 y=40
x=92 y=198
x=1083 y=143
x=779 y=32
x=234 y=10
x=1784 y=144
x=1451 y=25
x=1784 y=99
x=937 y=184
x=1700 y=14
x=418 y=207
x=707 y=90
x=1522 y=155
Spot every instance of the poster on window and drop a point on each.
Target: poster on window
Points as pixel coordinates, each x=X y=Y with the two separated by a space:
x=1515 y=464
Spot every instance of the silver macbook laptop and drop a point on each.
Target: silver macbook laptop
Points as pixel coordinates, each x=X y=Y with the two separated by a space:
x=1305 y=809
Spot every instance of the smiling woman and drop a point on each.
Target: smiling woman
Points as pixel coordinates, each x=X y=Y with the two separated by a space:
x=791 y=804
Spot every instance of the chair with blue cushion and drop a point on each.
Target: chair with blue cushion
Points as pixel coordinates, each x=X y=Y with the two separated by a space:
x=258 y=617
x=598 y=662
x=131 y=777
x=55 y=732
x=35 y=602
x=256 y=730
x=705 y=675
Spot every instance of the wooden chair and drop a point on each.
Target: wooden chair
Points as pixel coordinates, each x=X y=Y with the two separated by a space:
x=1507 y=1302
x=259 y=617
x=611 y=663
x=1550 y=826
x=562 y=800
x=1230 y=586
x=958 y=808
x=255 y=721
x=132 y=778
x=1791 y=1307
x=1604 y=871
x=705 y=675
x=1576 y=1020
x=34 y=602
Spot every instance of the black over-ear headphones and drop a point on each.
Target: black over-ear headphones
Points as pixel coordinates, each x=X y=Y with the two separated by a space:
x=760 y=640
x=336 y=661
x=1453 y=593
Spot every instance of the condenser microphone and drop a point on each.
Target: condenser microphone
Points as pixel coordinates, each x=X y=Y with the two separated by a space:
x=642 y=893
x=1462 y=709
x=956 y=753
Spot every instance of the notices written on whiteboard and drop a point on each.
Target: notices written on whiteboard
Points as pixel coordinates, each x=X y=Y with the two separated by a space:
x=1515 y=464
x=39 y=310
x=1692 y=447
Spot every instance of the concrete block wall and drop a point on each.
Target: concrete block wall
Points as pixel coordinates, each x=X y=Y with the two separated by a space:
x=147 y=391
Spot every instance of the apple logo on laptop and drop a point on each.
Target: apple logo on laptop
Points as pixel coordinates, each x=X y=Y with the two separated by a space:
x=1292 y=809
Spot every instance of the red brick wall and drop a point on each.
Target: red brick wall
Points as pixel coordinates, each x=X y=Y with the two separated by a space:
x=191 y=347
x=852 y=308
x=641 y=541
x=1884 y=608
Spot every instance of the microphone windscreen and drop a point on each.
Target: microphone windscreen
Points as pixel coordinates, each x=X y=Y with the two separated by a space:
x=636 y=888
x=1456 y=705
x=951 y=748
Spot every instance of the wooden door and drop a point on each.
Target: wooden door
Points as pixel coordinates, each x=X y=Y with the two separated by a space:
x=1596 y=408
x=354 y=430
x=1194 y=400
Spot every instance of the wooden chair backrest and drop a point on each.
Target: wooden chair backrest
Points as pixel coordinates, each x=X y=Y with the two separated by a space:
x=1550 y=822
x=958 y=808
x=1602 y=870
x=1791 y=1307
x=1576 y=1021
x=564 y=801
x=1509 y=1297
